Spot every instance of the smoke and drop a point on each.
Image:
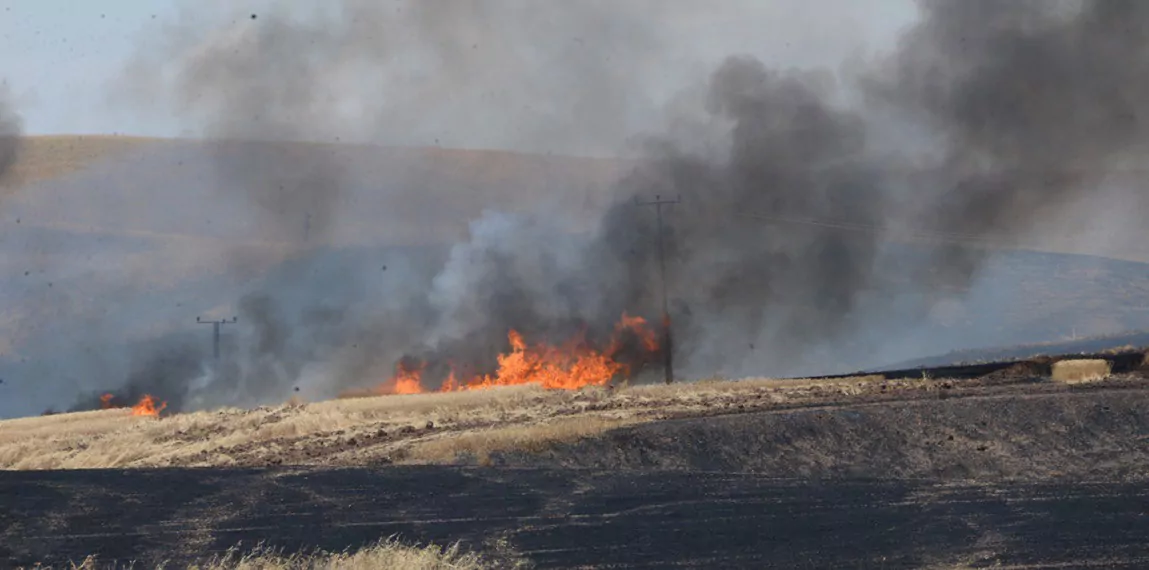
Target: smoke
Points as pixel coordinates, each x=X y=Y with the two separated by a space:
x=787 y=248
x=11 y=130
x=1035 y=103
x=1027 y=108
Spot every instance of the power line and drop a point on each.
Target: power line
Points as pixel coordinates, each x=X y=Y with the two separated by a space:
x=215 y=325
x=668 y=346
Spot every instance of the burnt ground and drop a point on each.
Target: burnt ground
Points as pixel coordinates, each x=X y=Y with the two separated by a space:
x=996 y=433
x=572 y=518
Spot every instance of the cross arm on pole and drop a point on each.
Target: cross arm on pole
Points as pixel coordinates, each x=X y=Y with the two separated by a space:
x=215 y=325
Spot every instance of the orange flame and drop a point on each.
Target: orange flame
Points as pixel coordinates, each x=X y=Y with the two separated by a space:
x=106 y=402
x=637 y=325
x=570 y=366
x=407 y=381
x=147 y=407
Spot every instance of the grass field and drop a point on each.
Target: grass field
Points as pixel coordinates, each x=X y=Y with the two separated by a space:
x=468 y=180
x=415 y=429
x=52 y=156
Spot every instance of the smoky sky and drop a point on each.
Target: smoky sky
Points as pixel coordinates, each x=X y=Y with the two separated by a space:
x=982 y=118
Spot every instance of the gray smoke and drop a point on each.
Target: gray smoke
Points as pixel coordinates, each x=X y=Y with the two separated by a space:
x=11 y=132
x=1028 y=105
x=1036 y=104
x=985 y=117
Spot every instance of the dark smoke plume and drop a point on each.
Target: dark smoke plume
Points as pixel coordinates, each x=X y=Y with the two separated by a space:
x=1036 y=103
x=1029 y=104
x=1032 y=104
x=985 y=118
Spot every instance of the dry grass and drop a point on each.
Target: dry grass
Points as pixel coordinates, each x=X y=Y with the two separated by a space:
x=1080 y=371
x=430 y=428
x=480 y=444
x=384 y=554
x=46 y=157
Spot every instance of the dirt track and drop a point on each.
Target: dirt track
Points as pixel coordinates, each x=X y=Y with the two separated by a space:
x=574 y=518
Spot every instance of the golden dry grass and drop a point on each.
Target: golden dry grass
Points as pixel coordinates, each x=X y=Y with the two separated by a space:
x=44 y=157
x=47 y=157
x=534 y=437
x=384 y=554
x=429 y=428
x=1080 y=371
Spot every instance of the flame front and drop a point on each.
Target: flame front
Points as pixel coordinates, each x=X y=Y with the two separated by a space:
x=570 y=366
x=407 y=381
x=147 y=407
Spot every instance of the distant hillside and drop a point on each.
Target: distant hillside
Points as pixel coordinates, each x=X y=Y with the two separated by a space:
x=48 y=157
x=463 y=179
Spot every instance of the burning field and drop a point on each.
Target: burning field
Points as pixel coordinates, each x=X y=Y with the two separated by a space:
x=573 y=365
x=656 y=178
x=145 y=407
x=970 y=424
x=827 y=221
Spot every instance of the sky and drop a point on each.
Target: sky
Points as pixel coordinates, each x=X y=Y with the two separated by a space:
x=59 y=57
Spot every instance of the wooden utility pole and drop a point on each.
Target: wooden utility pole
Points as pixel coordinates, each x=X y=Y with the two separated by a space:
x=215 y=325
x=667 y=344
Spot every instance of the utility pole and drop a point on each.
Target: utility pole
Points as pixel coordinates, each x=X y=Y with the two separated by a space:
x=215 y=325
x=668 y=346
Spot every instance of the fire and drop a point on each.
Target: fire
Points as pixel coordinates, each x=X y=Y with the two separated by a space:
x=569 y=366
x=637 y=325
x=106 y=402
x=147 y=407
x=407 y=381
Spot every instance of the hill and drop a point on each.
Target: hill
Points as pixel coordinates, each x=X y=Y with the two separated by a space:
x=630 y=427
x=54 y=156
x=129 y=184
x=113 y=241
